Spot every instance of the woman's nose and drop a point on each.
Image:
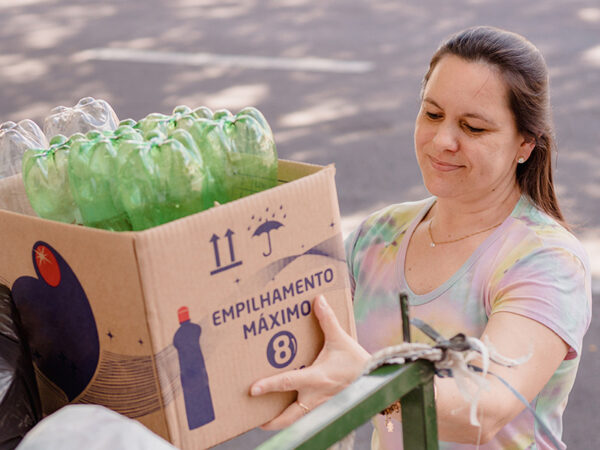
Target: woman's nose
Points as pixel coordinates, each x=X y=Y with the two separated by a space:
x=445 y=137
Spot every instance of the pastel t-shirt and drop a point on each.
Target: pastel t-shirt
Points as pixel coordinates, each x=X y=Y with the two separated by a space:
x=530 y=265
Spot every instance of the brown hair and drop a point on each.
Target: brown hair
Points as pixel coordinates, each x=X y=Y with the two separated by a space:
x=526 y=76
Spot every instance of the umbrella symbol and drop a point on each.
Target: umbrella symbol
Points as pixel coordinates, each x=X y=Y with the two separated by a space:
x=267 y=227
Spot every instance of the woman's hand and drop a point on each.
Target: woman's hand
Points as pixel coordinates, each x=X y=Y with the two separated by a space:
x=339 y=363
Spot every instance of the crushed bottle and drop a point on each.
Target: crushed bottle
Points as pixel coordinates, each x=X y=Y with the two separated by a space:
x=239 y=150
x=92 y=170
x=46 y=180
x=150 y=172
x=88 y=114
x=163 y=179
x=15 y=139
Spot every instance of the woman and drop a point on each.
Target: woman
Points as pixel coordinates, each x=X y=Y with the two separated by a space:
x=488 y=255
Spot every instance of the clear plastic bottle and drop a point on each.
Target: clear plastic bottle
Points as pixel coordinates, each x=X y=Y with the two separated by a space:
x=88 y=114
x=15 y=139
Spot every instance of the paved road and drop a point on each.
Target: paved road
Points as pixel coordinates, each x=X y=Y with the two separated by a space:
x=337 y=80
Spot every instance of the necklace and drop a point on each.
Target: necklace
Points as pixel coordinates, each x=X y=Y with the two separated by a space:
x=433 y=243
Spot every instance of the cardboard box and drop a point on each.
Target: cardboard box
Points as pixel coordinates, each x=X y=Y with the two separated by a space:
x=171 y=325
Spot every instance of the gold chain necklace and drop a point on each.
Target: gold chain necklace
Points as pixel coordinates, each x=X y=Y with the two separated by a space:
x=433 y=243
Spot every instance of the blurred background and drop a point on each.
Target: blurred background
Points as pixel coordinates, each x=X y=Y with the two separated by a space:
x=338 y=82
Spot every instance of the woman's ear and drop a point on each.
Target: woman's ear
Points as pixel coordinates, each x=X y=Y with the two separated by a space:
x=526 y=147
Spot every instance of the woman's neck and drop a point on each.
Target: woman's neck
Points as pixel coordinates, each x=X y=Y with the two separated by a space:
x=455 y=216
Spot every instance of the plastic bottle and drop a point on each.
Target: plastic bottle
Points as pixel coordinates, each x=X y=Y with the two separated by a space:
x=46 y=180
x=198 y=123
x=15 y=139
x=88 y=114
x=92 y=169
x=239 y=151
x=214 y=146
x=162 y=179
x=151 y=172
x=251 y=152
x=152 y=123
x=127 y=122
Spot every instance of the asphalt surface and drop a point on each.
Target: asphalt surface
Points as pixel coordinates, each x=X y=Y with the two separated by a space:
x=338 y=82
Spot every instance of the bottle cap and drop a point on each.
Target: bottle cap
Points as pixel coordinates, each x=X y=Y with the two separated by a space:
x=184 y=314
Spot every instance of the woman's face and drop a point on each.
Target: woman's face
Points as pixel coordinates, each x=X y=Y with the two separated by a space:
x=466 y=140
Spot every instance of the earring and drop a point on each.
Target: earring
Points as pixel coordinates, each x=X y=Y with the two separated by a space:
x=521 y=160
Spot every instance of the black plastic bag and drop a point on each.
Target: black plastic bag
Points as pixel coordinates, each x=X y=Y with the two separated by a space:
x=20 y=407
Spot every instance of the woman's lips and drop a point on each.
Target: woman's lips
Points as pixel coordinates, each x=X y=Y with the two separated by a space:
x=443 y=166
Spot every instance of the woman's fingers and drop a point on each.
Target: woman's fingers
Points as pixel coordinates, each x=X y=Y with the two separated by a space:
x=295 y=380
x=292 y=380
x=327 y=319
x=287 y=417
x=339 y=362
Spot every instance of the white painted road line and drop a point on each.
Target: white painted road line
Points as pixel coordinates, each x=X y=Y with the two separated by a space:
x=204 y=59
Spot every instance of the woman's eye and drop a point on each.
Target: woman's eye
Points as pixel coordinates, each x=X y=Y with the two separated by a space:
x=433 y=116
x=474 y=130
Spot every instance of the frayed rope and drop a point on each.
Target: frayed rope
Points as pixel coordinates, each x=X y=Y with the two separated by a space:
x=452 y=358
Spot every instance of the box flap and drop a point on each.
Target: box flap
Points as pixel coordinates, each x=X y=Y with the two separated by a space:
x=292 y=170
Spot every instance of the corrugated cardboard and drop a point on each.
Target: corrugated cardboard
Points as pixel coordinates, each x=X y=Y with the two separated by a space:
x=103 y=309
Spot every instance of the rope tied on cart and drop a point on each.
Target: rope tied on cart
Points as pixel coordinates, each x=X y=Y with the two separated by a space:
x=453 y=358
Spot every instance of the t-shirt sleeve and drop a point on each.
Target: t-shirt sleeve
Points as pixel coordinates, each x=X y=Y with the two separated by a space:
x=551 y=286
x=349 y=246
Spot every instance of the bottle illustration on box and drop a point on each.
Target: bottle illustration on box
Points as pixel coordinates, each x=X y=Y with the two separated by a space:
x=194 y=378
x=59 y=321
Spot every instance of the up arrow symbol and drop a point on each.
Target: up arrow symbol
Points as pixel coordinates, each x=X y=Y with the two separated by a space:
x=215 y=241
x=229 y=235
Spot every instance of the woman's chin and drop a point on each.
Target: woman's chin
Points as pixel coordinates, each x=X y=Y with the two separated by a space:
x=442 y=190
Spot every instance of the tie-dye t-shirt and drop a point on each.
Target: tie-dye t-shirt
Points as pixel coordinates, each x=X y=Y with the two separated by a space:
x=530 y=265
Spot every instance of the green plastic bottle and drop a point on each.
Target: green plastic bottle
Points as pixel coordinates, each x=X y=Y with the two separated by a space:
x=238 y=150
x=213 y=153
x=127 y=122
x=92 y=169
x=151 y=123
x=159 y=169
x=46 y=180
x=251 y=152
x=163 y=179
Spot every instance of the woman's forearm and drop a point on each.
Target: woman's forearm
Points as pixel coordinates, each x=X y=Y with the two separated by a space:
x=495 y=408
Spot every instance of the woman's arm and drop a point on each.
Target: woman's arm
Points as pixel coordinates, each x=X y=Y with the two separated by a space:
x=513 y=336
x=342 y=360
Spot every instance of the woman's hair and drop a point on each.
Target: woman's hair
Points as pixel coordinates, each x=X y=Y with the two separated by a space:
x=526 y=76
